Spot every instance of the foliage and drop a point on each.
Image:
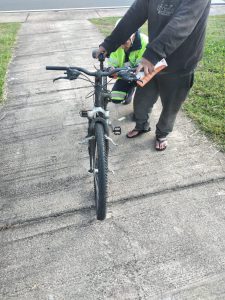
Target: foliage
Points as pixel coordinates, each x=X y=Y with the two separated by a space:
x=8 y=33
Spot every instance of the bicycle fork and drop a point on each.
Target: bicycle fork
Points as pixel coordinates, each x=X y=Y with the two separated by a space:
x=90 y=139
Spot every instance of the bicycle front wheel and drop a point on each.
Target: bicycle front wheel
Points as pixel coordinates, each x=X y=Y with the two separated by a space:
x=100 y=171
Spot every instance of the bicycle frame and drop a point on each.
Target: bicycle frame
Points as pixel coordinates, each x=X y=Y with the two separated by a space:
x=99 y=112
x=98 y=128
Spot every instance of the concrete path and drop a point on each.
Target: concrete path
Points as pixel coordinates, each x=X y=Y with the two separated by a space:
x=164 y=236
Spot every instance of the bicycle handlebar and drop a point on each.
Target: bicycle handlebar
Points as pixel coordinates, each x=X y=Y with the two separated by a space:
x=56 y=68
x=74 y=72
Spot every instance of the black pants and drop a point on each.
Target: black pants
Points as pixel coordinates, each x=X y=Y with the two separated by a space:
x=172 y=89
x=121 y=90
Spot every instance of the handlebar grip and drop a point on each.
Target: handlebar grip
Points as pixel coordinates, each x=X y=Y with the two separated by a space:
x=55 y=68
x=97 y=55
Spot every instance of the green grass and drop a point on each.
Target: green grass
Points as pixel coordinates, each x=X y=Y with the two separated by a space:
x=8 y=33
x=206 y=103
x=106 y=25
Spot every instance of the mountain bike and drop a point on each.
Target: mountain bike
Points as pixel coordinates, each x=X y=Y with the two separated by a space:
x=98 y=123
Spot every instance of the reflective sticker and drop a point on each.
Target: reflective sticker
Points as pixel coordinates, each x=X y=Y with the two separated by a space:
x=117 y=95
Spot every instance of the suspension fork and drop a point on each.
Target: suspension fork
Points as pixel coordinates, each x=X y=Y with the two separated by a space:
x=91 y=149
x=92 y=141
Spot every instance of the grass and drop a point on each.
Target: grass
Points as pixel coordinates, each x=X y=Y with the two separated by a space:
x=106 y=25
x=8 y=33
x=206 y=103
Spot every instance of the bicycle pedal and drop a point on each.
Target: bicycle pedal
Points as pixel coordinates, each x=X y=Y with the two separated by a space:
x=117 y=130
x=84 y=113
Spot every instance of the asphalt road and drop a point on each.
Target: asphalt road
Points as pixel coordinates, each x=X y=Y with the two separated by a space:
x=13 y=5
x=8 y=5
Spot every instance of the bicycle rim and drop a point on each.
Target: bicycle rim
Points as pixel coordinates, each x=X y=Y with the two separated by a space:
x=100 y=171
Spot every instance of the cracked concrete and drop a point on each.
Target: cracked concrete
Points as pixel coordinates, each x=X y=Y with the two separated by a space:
x=164 y=233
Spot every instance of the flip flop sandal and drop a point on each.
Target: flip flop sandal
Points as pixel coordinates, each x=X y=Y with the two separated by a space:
x=135 y=133
x=160 y=141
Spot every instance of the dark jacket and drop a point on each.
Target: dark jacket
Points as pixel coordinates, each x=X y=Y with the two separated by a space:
x=176 y=30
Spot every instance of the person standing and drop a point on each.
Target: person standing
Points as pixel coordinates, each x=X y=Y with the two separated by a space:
x=176 y=31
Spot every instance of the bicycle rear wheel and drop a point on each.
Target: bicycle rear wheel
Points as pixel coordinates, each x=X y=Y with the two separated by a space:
x=100 y=171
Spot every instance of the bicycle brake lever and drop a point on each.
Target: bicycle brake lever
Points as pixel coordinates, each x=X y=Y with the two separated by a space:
x=61 y=77
x=71 y=75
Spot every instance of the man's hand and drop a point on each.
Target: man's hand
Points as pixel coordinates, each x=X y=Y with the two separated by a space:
x=146 y=65
x=99 y=51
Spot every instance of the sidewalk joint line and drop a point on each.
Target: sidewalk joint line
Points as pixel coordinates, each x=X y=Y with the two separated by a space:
x=31 y=221
x=27 y=18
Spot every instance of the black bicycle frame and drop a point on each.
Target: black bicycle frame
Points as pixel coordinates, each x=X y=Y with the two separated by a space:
x=98 y=86
x=98 y=91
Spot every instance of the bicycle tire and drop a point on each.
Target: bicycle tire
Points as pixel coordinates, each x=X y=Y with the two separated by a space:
x=100 y=171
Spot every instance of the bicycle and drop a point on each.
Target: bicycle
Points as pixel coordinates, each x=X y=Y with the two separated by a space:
x=98 y=124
